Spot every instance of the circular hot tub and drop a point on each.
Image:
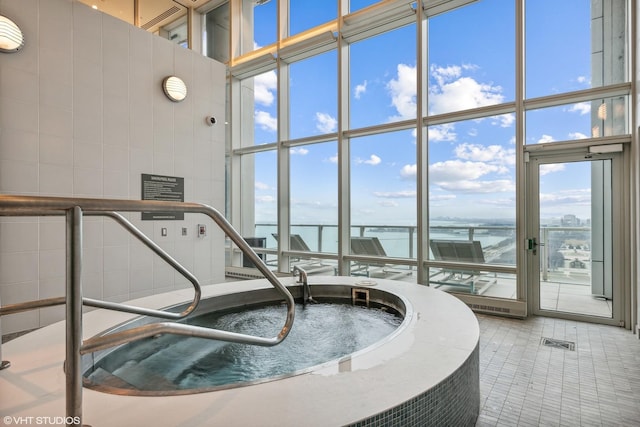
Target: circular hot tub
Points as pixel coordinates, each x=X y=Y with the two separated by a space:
x=338 y=322
x=424 y=373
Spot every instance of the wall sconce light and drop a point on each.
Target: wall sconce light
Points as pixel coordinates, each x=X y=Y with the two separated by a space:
x=174 y=88
x=11 y=37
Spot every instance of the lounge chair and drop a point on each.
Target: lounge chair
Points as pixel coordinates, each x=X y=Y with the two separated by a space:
x=371 y=246
x=296 y=243
x=466 y=251
x=311 y=266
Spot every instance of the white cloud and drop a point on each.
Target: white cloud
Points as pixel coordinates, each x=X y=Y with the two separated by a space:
x=266 y=121
x=373 y=160
x=467 y=186
x=441 y=197
x=495 y=154
x=261 y=186
x=388 y=204
x=333 y=159
x=325 y=123
x=545 y=138
x=455 y=92
x=264 y=86
x=577 y=135
x=409 y=171
x=403 y=92
x=572 y=197
x=442 y=133
x=300 y=151
x=463 y=177
x=550 y=168
x=444 y=74
x=360 y=89
x=584 y=80
x=316 y=204
x=581 y=108
x=403 y=194
x=458 y=170
x=265 y=199
x=505 y=120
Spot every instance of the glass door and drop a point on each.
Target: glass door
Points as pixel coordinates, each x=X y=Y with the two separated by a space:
x=574 y=218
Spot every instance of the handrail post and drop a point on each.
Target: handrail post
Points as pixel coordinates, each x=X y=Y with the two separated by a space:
x=3 y=363
x=73 y=360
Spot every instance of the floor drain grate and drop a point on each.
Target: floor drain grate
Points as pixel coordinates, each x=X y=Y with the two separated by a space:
x=564 y=345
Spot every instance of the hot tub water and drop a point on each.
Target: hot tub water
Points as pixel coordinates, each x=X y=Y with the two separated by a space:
x=321 y=332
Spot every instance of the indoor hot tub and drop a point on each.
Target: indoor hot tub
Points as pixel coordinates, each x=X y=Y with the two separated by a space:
x=422 y=371
x=338 y=322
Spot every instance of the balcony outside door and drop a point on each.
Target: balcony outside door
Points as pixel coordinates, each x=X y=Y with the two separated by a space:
x=574 y=236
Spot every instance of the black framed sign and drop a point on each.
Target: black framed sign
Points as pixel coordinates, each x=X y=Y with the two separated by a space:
x=162 y=187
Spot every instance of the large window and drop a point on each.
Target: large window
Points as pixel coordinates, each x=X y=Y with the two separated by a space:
x=354 y=172
x=472 y=57
x=574 y=45
x=264 y=21
x=586 y=119
x=383 y=78
x=313 y=92
x=261 y=93
x=313 y=194
x=304 y=15
x=383 y=189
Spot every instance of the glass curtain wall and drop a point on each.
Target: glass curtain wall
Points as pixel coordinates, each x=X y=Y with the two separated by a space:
x=389 y=140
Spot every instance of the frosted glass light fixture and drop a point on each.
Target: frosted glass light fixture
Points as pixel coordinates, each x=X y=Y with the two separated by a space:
x=11 y=37
x=174 y=88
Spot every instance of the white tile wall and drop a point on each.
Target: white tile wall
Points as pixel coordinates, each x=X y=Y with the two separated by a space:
x=83 y=114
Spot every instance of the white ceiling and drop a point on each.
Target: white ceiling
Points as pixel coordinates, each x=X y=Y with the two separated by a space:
x=153 y=13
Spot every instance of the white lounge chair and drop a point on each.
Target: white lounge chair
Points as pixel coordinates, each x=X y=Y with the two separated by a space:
x=466 y=251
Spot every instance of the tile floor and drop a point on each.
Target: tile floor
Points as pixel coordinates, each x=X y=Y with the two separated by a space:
x=524 y=383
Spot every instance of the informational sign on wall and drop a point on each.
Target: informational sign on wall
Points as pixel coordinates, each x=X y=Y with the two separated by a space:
x=161 y=187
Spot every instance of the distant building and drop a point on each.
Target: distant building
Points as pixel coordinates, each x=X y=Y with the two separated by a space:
x=570 y=221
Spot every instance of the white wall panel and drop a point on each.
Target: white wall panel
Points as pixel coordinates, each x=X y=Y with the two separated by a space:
x=83 y=114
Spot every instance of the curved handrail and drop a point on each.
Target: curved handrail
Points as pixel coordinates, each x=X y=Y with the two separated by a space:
x=14 y=205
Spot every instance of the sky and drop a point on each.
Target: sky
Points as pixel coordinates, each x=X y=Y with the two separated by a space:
x=471 y=163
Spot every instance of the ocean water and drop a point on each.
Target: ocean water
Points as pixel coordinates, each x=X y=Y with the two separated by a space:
x=397 y=241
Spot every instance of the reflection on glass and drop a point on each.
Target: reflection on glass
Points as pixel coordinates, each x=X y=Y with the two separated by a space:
x=216 y=34
x=470 y=67
x=388 y=82
x=589 y=119
x=314 y=78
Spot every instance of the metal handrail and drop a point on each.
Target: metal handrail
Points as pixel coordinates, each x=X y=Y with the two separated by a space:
x=74 y=209
x=48 y=302
x=11 y=205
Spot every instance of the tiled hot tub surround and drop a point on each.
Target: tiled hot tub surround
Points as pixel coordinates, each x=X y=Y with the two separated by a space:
x=453 y=402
